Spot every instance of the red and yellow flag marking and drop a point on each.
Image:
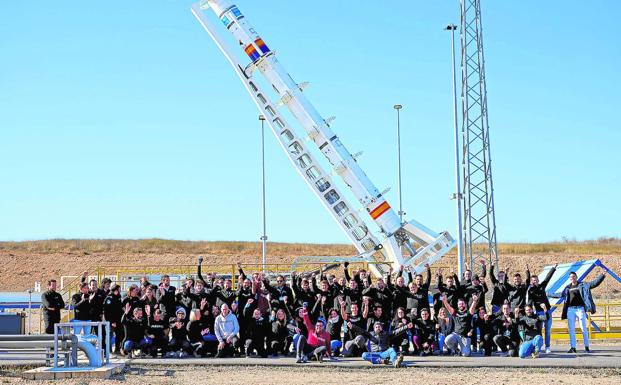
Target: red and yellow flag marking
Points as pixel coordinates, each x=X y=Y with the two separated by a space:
x=379 y=210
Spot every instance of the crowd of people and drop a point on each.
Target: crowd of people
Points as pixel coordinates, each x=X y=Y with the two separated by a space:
x=318 y=316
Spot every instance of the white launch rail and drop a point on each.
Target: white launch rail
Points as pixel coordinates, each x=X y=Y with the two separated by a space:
x=420 y=244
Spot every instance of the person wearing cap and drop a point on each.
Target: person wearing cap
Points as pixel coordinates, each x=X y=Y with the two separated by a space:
x=226 y=329
x=112 y=312
x=381 y=351
x=179 y=346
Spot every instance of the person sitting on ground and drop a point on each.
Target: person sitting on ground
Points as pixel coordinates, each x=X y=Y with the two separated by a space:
x=317 y=342
x=198 y=328
x=353 y=343
x=334 y=326
x=400 y=343
x=530 y=325
x=425 y=337
x=281 y=334
x=460 y=338
x=579 y=302
x=507 y=338
x=255 y=331
x=135 y=327
x=157 y=331
x=179 y=346
x=226 y=329
x=484 y=324
x=445 y=325
x=381 y=351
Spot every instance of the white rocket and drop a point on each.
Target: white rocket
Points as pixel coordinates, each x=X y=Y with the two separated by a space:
x=421 y=244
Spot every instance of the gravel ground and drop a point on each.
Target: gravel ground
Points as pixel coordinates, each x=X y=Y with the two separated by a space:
x=224 y=375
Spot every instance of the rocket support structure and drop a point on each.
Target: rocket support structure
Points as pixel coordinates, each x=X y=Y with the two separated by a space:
x=421 y=244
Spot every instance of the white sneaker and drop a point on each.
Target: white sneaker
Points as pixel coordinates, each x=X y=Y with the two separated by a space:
x=548 y=351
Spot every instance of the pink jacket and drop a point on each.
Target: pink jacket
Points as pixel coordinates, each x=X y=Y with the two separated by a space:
x=315 y=340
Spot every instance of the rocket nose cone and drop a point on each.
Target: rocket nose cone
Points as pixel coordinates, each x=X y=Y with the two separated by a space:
x=219 y=6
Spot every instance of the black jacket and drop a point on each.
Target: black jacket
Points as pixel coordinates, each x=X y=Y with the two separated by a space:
x=134 y=329
x=52 y=299
x=81 y=307
x=536 y=295
x=112 y=308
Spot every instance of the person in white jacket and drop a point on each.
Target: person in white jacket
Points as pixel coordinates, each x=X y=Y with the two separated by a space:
x=226 y=330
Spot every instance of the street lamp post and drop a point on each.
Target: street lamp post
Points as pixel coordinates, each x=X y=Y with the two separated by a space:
x=457 y=196
x=398 y=107
x=264 y=237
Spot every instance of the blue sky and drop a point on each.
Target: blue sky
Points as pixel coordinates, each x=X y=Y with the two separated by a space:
x=121 y=119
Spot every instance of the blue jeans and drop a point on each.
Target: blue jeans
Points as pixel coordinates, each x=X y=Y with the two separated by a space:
x=573 y=313
x=210 y=337
x=143 y=343
x=376 y=358
x=441 y=338
x=335 y=344
x=529 y=347
x=547 y=326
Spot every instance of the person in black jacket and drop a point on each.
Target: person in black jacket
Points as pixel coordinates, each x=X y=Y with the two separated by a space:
x=179 y=346
x=198 y=328
x=135 y=327
x=499 y=295
x=484 y=324
x=530 y=329
x=51 y=303
x=256 y=330
x=281 y=294
x=82 y=307
x=157 y=331
x=452 y=289
x=281 y=334
x=112 y=312
x=400 y=343
x=516 y=292
x=507 y=338
x=302 y=291
x=536 y=297
x=166 y=297
x=425 y=338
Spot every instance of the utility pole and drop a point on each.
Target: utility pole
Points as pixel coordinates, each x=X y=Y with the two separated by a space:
x=457 y=196
x=398 y=107
x=264 y=237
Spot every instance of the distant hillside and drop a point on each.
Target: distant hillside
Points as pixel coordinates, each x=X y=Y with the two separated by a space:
x=23 y=263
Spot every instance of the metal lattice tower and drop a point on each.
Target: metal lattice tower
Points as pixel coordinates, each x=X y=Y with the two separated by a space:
x=478 y=192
